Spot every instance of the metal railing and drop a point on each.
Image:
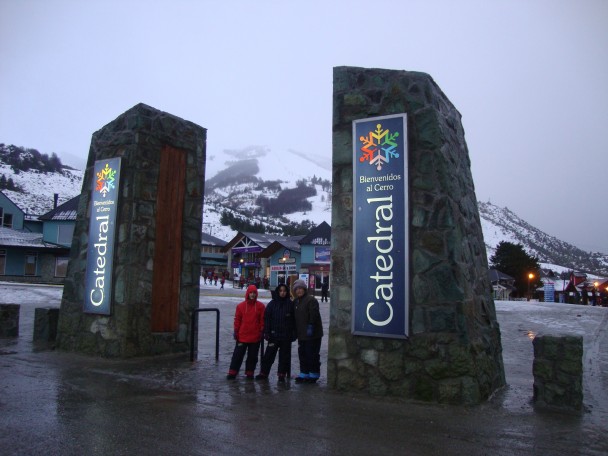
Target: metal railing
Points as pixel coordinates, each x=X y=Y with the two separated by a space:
x=194 y=333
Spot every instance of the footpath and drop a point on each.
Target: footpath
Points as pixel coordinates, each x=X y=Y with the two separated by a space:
x=56 y=403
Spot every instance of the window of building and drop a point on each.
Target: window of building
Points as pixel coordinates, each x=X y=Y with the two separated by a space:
x=65 y=234
x=6 y=219
x=61 y=266
x=2 y=262
x=31 y=263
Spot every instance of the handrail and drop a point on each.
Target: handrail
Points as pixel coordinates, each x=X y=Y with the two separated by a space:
x=194 y=333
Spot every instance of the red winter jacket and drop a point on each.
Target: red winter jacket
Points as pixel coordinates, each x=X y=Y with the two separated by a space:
x=249 y=318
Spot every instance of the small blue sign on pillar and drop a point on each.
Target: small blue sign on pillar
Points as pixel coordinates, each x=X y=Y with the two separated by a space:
x=102 y=227
x=380 y=227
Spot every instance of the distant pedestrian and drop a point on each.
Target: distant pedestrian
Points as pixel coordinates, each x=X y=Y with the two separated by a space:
x=309 y=329
x=324 y=291
x=222 y=283
x=280 y=332
x=248 y=330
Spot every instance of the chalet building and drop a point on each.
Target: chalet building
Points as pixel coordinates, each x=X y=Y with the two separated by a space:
x=284 y=259
x=271 y=259
x=213 y=259
x=35 y=248
x=245 y=260
x=584 y=290
x=502 y=285
x=316 y=255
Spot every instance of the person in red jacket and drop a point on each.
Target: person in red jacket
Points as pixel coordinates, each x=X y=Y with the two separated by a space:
x=248 y=330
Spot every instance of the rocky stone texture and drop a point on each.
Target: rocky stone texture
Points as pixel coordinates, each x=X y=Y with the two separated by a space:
x=9 y=320
x=558 y=372
x=454 y=353
x=45 y=324
x=137 y=136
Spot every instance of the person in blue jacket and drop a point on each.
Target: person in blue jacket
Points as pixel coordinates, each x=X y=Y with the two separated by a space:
x=280 y=332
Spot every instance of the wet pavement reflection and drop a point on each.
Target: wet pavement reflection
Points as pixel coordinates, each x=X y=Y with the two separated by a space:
x=68 y=404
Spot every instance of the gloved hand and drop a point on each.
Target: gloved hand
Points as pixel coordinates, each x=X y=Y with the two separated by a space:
x=309 y=331
x=235 y=335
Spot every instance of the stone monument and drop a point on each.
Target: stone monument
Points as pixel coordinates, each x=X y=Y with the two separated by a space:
x=133 y=275
x=412 y=313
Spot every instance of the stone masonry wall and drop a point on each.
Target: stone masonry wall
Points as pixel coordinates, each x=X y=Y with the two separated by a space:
x=558 y=371
x=454 y=353
x=137 y=136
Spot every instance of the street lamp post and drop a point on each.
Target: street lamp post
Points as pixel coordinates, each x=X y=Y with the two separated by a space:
x=595 y=293
x=530 y=277
x=241 y=261
x=285 y=270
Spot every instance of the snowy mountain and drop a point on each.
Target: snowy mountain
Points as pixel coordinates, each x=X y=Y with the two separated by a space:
x=500 y=224
x=277 y=191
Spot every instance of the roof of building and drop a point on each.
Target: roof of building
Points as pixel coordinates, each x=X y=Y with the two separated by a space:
x=495 y=275
x=260 y=239
x=320 y=235
x=207 y=239
x=290 y=243
x=65 y=211
x=17 y=238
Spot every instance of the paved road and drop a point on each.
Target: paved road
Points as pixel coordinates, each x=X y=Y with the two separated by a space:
x=55 y=403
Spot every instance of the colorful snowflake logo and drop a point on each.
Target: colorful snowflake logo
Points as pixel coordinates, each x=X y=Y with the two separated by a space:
x=379 y=147
x=105 y=180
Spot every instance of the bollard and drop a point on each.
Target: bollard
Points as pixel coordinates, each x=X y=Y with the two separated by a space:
x=45 y=324
x=9 y=320
x=558 y=372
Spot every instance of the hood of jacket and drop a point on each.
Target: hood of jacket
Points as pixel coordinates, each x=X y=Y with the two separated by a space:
x=251 y=289
x=276 y=294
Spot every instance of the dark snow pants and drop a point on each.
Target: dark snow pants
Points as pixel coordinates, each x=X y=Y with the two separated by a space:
x=238 y=354
x=310 y=358
x=284 y=349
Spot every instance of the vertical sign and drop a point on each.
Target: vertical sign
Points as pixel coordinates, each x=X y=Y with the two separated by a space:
x=549 y=292
x=102 y=224
x=380 y=227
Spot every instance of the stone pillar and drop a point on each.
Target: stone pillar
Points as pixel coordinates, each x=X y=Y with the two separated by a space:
x=45 y=324
x=558 y=371
x=9 y=320
x=453 y=353
x=156 y=259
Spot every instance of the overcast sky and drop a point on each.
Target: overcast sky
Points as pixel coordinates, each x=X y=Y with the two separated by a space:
x=529 y=77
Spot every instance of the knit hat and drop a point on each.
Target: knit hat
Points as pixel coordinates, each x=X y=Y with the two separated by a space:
x=299 y=284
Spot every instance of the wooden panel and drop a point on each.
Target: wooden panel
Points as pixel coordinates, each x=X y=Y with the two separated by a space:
x=168 y=245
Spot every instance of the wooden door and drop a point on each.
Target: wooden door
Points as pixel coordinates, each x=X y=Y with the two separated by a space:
x=168 y=244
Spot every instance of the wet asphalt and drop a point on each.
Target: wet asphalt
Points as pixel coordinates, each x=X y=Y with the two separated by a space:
x=57 y=403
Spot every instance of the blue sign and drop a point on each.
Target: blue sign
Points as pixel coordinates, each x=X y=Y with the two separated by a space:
x=102 y=227
x=380 y=227
x=322 y=255
x=549 y=292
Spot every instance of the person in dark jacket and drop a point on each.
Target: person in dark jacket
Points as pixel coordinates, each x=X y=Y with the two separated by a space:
x=280 y=332
x=309 y=331
x=248 y=330
x=324 y=291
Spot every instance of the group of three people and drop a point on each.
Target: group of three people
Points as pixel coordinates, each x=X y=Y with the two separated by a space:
x=280 y=323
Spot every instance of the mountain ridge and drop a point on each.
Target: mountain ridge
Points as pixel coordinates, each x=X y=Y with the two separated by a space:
x=298 y=187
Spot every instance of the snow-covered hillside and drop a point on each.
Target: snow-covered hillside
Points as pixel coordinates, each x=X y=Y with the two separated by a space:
x=236 y=178
x=501 y=224
x=39 y=188
x=288 y=165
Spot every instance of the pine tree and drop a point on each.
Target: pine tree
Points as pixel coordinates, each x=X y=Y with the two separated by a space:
x=513 y=260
